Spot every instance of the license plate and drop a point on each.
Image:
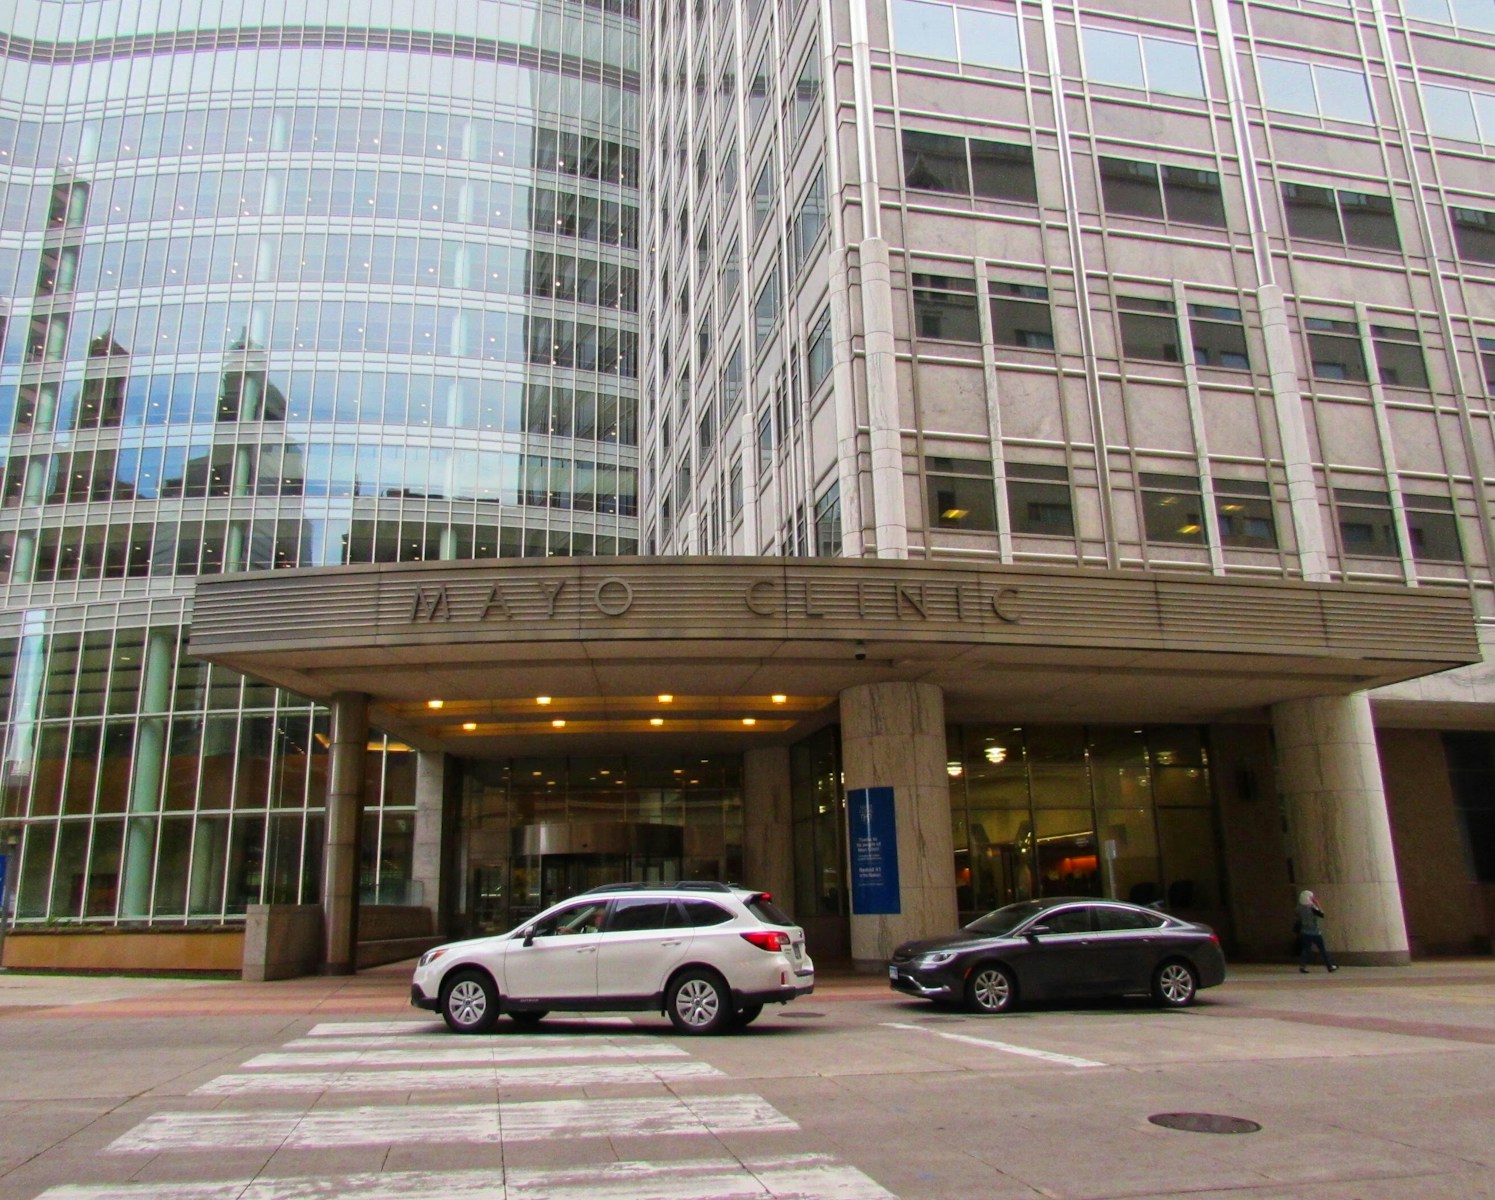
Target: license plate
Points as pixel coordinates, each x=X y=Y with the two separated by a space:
x=893 y=973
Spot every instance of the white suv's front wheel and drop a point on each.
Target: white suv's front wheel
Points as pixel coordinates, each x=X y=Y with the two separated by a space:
x=698 y=1002
x=469 y=1002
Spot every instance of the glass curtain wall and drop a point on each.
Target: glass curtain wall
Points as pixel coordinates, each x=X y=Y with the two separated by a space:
x=1083 y=811
x=282 y=288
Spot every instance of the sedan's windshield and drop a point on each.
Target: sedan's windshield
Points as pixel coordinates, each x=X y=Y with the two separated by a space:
x=1005 y=920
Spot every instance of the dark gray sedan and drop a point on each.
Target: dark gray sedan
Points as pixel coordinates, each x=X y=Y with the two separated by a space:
x=1059 y=949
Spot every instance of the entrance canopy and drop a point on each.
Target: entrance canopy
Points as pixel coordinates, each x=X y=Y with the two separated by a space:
x=528 y=656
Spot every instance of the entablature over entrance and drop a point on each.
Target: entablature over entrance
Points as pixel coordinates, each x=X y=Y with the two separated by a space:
x=601 y=641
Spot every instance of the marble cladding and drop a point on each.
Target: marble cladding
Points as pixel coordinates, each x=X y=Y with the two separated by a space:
x=767 y=824
x=893 y=735
x=1338 y=825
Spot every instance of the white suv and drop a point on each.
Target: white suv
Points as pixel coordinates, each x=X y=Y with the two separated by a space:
x=707 y=954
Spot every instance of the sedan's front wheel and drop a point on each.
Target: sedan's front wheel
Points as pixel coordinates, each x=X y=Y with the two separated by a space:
x=1174 y=985
x=991 y=989
x=698 y=1002
x=469 y=1003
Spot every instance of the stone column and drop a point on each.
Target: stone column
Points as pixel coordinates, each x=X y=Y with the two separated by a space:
x=340 y=866
x=893 y=735
x=1337 y=826
x=147 y=770
x=428 y=852
x=767 y=829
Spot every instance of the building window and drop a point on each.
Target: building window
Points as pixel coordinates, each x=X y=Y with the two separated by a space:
x=1433 y=528
x=1334 y=350
x=828 y=523
x=734 y=487
x=818 y=352
x=1020 y=316
x=1487 y=361
x=972 y=36
x=763 y=189
x=945 y=308
x=960 y=494
x=1473 y=234
x=765 y=439
x=757 y=92
x=807 y=89
x=1399 y=359
x=808 y=223
x=1329 y=92
x=1172 y=508
x=1471 y=14
x=1243 y=510
x=940 y=162
x=1471 y=773
x=1219 y=335
x=1145 y=332
x=1143 y=189
x=1147 y=63
x=1038 y=499
x=1367 y=528
x=766 y=308
x=1459 y=113
x=1349 y=218
x=731 y=383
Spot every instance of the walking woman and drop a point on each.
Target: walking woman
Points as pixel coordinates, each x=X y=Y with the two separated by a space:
x=1310 y=931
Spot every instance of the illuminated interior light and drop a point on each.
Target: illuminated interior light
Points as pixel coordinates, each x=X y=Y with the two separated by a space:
x=779 y=698
x=469 y=725
x=749 y=720
x=542 y=699
x=656 y=720
x=666 y=698
x=558 y=724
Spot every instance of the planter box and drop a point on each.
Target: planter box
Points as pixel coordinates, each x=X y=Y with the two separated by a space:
x=159 y=950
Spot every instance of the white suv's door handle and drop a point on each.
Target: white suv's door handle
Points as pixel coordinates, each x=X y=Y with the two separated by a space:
x=676 y=942
x=587 y=950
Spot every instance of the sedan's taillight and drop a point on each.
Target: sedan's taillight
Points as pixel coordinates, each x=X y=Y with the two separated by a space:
x=767 y=939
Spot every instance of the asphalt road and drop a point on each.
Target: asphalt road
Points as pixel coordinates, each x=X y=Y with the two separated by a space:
x=1375 y=1082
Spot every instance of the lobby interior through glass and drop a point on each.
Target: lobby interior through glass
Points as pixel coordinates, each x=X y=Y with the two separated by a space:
x=1035 y=811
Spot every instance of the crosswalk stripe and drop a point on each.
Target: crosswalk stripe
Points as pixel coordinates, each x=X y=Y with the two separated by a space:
x=568 y=1075
x=487 y=1051
x=1066 y=1060
x=797 y=1176
x=638 y=1116
x=417 y=1028
x=394 y=1041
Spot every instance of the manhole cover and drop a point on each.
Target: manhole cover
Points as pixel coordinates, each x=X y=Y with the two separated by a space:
x=800 y=1016
x=1204 y=1123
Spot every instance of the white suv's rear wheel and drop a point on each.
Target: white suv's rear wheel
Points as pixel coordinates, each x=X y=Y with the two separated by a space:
x=698 y=1002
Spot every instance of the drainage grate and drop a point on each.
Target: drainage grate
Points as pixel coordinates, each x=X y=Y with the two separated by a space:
x=1204 y=1123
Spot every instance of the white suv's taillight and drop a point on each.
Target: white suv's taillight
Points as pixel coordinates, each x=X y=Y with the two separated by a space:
x=765 y=939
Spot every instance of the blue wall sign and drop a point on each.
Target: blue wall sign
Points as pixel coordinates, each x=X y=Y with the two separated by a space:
x=874 y=851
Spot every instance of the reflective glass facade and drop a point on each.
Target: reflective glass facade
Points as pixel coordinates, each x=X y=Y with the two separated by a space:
x=283 y=286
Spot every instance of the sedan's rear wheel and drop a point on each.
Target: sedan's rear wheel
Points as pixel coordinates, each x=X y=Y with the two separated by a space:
x=1174 y=984
x=991 y=989
x=698 y=1002
x=469 y=1003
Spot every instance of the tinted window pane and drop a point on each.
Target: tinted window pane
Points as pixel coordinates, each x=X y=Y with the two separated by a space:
x=1172 y=67
x=1003 y=171
x=1400 y=364
x=1193 y=196
x=1149 y=337
x=1342 y=94
x=988 y=39
x=1218 y=344
x=1367 y=532
x=1336 y=357
x=945 y=310
x=1040 y=508
x=1246 y=521
x=1113 y=58
x=1130 y=187
x=934 y=162
x=1311 y=212
x=630 y=915
x=1025 y=323
x=1369 y=220
x=701 y=913
x=1435 y=535
x=1474 y=234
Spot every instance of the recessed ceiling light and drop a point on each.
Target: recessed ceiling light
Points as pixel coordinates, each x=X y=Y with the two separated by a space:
x=666 y=698
x=779 y=698
x=558 y=724
x=656 y=720
x=542 y=699
x=749 y=720
x=435 y=703
x=469 y=725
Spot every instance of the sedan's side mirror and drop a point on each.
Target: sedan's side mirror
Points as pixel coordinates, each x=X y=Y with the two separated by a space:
x=1035 y=930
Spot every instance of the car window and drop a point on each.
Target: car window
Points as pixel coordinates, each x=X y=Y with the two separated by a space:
x=767 y=911
x=585 y=917
x=1067 y=920
x=704 y=912
x=632 y=915
x=1107 y=917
